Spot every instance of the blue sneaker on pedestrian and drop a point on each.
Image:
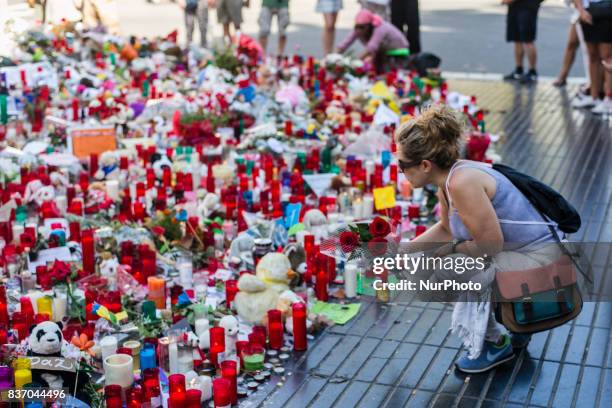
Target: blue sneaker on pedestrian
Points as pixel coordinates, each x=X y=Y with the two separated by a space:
x=491 y=356
x=519 y=340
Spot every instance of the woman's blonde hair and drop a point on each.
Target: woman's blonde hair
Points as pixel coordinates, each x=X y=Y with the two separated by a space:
x=435 y=135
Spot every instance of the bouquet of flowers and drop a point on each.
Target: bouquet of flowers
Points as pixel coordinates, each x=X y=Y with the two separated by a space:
x=361 y=240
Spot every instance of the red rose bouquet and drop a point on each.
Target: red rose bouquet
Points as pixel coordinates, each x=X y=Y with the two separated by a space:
x=362 y=240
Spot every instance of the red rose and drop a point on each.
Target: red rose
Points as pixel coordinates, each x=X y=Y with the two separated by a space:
x=158 y=230
x=377 y=246
x=348 y=241
x=379 y=227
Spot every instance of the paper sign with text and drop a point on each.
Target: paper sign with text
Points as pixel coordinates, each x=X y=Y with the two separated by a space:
x=84 y=141
x=384 y=197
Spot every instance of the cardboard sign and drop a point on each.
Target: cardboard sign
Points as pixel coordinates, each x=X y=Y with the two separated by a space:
x=84 y=141
x=49 y=255
x=52 y=364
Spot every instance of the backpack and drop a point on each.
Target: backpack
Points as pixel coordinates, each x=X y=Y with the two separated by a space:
x=545 y=199
x=191 y=6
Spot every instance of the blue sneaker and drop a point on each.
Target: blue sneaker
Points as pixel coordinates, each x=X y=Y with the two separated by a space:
x=491 y=356
x=519 y=340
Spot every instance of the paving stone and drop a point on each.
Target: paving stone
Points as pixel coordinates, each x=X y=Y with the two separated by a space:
x=606 y=390
x=453 y=383
x=371 y=368
x=374 y=397
x=352 y=394
x=466 y=402
x=317 y=354
x=386 y=348
x=585 y=318
x=418 y=366
x=307 y=391
x=499 y=383
x=438 y=369
x=443 y=400
x=556 y=345
x=329 y=394
x=384 y=324
x=544 y=384
x=357 y=357
x=520 y=387
x=567 y=385
x=392 y=372
x=476 y=384
x=600 y=338
x=577 y=345
x=440 y=330
x=405 y=350
x=587 y=390
x=536 y=345
x=338 y=355
x=408 y=320
x=423 y=326
x=420 y=399
x=604 y=315
x=282 y=394
x=399 y=397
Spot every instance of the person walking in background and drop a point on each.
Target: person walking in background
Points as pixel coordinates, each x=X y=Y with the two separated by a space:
x=230 y=11
x=100 y=13
x=329 y=9
x=405 y=16
x=598 y=37
x=377 y=36
x=521 y=28
x=269 y=9
x=195 y=10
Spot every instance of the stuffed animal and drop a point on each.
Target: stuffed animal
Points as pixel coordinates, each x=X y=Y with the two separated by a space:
x=47 y=340
x=230 y=324
x=254 y=298
x=274 y=269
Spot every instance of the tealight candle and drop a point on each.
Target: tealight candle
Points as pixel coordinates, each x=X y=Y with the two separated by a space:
x=17 y=231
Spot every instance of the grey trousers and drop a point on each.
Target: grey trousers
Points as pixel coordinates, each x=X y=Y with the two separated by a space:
x=202 y=17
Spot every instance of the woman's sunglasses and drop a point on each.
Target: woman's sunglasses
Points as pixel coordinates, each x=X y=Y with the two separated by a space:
x=403 y=166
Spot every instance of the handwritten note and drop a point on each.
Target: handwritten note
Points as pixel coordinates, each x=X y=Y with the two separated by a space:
x=52 y=363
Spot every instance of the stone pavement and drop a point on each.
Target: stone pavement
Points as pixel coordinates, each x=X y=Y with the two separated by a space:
x=402 y=354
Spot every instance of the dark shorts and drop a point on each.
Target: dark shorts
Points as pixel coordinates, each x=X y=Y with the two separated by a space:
x=598 y=32
x=521 y=23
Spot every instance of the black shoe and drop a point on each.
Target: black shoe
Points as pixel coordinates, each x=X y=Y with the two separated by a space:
x=515 y=75
x=531 y=76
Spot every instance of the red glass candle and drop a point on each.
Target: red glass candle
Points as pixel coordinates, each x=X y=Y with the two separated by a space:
x=176 y=383
x=167 y=177
x=231 y=288
x=177 y=400
x=93 y=164
x=222 y=395
x=420 y=229
x=240 y=346
x=89 y=259
x=414 y=211
x=393 y=173
x=193 y=398
x=275 y=329
x=4 y=316
x=139 y=211
x=299 y=326
x=321 y=286
x=75 y=231
x=308 y=243
x=288 y=128
x=229 y=371
x=75 y=109
x=134 y=398
x=217 y=343
x=112 y=396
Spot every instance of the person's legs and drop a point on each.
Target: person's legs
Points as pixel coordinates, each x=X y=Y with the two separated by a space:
x=605 y=106
x=189 y=26
x=414 y=30
x=329 y=31
x=569 y=56
x=594 y=69
x=398 y=15
x=531 y=55
x=108 y=14
x=203 y=22
x=235 y=10
x=519 y=55
x=283 y=22
x=265 y=22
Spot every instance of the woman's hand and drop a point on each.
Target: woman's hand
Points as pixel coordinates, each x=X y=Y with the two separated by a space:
x=586 y=17
x=607 y=64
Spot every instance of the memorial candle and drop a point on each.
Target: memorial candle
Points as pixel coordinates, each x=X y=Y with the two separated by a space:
x=222 y=395
x=88 y=248
x=321 y=286
x=230 y=372
x=75 y=109
x=157 y=291
x=217 y=343
x=275 y=329
x=299 y=326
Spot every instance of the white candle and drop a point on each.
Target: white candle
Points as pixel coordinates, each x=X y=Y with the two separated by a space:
x=62 y=204
x=112 y=189
x=33 y=298
x=300 y=236
x=118 y=370
x=60 y=307
x=417 y=195
x=333 y=218
x=370 y=166
x=108 y=344
x=17 y=231
x=201 y=325
x=185 y=268
x=358 y=209
x=173 y=357
x=185 y=363
x=206 y=387
x=350 y=280
x=368 y=206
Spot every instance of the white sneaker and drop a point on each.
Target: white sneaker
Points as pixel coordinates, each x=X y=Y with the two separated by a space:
x=583 y=101
x=603 y=107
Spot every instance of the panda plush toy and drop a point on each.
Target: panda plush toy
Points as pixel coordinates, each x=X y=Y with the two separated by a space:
x=46 y=340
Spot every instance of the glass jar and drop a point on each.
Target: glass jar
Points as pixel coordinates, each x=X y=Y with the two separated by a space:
x=262 y=247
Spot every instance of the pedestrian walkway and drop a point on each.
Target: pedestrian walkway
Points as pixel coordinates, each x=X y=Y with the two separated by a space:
x=401 y=353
